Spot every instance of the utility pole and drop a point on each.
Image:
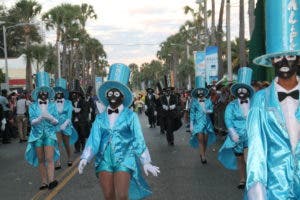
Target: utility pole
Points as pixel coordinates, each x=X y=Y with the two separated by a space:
x=229 y=65
x=58 y=60
x=187 y=58
x=205 y=24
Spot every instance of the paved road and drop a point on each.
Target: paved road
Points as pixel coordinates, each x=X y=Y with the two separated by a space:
x=182 y=177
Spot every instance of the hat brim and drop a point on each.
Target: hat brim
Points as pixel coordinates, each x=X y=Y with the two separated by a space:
x=236 y=86
x=128 y=98
x=47 y=89
x=64 y=91
x=265 y=60
x=194 y=92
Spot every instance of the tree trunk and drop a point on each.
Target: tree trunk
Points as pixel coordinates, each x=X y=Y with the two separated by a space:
x=251 y=5
x=29 y=86
x=242 y=43
x=213 y=25
x=219 y=40
x=64 y=60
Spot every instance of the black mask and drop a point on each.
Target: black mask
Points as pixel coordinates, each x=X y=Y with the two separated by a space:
x=43 y=95
x=114 y=97
x=168 y=93
x=74 y=96
x=243 y=93
x=59 y=95
x=285 y=66
x=200 y=94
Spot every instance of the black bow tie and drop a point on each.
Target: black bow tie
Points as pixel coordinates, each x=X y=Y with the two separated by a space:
x=294 y=94
x=42 y=102
x=59 y=101
x=244 y=101
x=201 y=100
x=112 y=111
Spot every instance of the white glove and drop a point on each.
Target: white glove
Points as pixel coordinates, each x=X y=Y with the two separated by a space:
x=77 y=110
x=191 y=127
x=3 y=122
x=81 y=166
x=64 y=125
x=49 y=117
x=165 y=107
x=146 y=107
x=155 y=113
x=233 y=135
x=151 y=168
x=36 y=120
x=172 y=107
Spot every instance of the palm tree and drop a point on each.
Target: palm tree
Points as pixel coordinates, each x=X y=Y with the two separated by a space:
x=251 y=6
x=242 y=43
x=25 y=11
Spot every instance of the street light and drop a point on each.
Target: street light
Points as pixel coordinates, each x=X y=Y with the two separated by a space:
x=5 y=45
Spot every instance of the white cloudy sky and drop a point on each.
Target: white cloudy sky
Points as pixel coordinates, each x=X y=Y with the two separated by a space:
x=122 y=25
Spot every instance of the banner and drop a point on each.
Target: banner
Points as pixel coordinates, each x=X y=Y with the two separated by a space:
x=98 y=83
x=211 y=62
x=199 y=58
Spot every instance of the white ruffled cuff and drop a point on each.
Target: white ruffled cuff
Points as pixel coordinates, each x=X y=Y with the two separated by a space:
x=145 y=157
x=232 y=131
x=87 y=154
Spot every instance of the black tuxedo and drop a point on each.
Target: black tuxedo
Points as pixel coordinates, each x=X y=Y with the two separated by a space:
x=151 y=108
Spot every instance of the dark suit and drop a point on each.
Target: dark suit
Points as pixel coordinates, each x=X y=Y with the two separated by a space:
x=170 y=116
x=151 y=107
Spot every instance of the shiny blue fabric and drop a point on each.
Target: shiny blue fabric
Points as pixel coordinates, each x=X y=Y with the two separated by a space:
x=127 y=143
x=42 y=130
x=271 y=161
x=62 y=117
x=201 y=122
x=109 y=164
x=44 y=141
x=234 y=119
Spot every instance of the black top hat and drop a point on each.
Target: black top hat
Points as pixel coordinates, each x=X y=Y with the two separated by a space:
x=75 y=87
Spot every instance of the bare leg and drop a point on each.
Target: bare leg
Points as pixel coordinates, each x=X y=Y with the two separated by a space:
x=66 y=139
x=241 y=168
x=246 y=154
x=106 y=181
x=59 y=141
x=49 y=151
x=202 y=145
x=205 y=143
x=42 y=167
x=121 y=181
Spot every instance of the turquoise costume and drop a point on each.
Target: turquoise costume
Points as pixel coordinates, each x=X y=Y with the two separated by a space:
x=66 y=112
x=122 y=146
x=126 y=143
x=274 y=167
x=44 y=132
x=199 y=118
x=235 y=120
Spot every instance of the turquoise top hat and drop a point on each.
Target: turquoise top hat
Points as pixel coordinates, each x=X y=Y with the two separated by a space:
x=282 y=30
x=118 y=78
x=42 y=83
x=199 y=85
x=243 y=81
x=61 y=86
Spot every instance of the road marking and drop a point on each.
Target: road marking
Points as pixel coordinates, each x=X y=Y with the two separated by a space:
x=39 y=194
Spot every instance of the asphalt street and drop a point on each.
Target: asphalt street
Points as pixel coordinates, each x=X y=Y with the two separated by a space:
x=183 y=176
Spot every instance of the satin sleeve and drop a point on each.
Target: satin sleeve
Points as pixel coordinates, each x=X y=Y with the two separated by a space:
x=209 y=106
x=70 y=110
x=229 y=116
x=257 y=172
x=93 y=143
x=139 y=141
x=33 y=114
x=192 y=111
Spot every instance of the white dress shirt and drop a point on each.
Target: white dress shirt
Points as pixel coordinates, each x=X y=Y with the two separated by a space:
x=113 y=116
x=60 y=106
x=289 y=106
x=245 y=107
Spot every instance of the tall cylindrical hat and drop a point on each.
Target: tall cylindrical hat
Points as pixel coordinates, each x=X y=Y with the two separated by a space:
x=61 y=86
x=243 y=81
x=199 y=85
x=282 y=20
x=42 y=82
x=118 y=78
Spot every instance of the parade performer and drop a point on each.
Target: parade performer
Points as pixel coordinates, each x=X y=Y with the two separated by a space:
x=41 y=150
x=150 y=107
x=233 y=153
x=66 y=133
x=117 y=141
x=79 y=115
x=170 y=114
x=273 y=124
x=202 y=130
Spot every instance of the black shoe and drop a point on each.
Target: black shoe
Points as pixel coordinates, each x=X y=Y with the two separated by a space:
x=162 y=132
x=43 y=186
x=53 y=184
x=241 y=185
x=20 y=141
x=70 y=163
x=171 y=143
x=58 y=167
x=203 y=161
